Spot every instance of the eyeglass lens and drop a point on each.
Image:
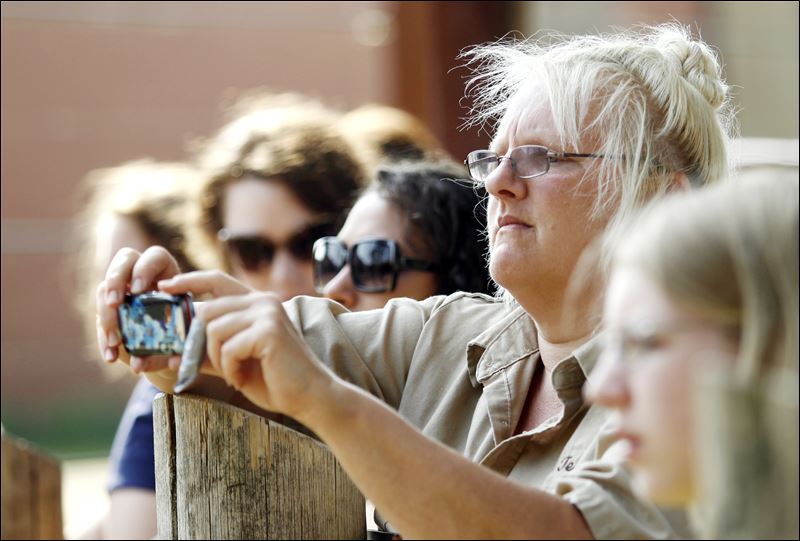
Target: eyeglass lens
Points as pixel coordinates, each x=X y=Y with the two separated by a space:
x=330 y=257
x=527 y=161
x=373 y=263
x=253 y=252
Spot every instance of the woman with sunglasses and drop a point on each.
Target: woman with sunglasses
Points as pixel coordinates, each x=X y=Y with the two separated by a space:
x=413 y=233
x=281 y=177
x=410 y=397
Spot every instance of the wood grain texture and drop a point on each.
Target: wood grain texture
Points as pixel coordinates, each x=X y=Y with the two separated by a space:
x=31 y=493
x=225 y=473
x=165 y=467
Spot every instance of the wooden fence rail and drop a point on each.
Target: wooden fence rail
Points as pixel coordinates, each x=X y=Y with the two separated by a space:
x=224 y=473
x=31 y=493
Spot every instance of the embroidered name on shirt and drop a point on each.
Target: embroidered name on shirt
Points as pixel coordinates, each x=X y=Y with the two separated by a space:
x=567 y=464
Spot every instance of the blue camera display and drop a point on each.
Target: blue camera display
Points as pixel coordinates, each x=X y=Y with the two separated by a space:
x=155 y=323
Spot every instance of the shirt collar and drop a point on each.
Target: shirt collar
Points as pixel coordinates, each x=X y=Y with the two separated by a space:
x=512 y=338
x=588 y=353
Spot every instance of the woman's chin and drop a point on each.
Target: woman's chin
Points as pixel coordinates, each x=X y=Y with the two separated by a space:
x=507 y=268
x=660 y=489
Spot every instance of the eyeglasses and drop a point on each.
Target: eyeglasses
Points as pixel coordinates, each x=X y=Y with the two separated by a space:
x=254 y=252
x=527 y=161
x=374 y=264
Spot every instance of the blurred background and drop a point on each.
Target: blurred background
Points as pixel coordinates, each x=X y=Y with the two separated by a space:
x=92 y=84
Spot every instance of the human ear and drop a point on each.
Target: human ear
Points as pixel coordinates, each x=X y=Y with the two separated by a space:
x=679 y=182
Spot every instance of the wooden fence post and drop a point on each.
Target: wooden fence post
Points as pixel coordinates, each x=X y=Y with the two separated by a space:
x=31 y=493
x=225 y=473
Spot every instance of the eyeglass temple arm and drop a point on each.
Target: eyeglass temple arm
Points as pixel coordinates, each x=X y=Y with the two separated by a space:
x=416 y=264
x=559 y=155
x=487 y=158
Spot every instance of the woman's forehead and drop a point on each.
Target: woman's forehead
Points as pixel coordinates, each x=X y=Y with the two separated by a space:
x=634 y=295
x=373 y=216
x=527 y=121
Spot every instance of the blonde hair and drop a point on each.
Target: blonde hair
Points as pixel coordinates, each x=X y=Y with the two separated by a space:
x=379 y=133
x=730 y=253
x=153 y=195
x=258 y=113
x=654 y=98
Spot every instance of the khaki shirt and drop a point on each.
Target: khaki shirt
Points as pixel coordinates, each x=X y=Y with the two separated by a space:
x=458 y=368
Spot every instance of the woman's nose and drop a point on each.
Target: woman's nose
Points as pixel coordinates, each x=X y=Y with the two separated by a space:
x=341 y=289
x=289 y=277
x=503 y=182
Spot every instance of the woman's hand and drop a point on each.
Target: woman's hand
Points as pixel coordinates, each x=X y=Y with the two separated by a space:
x=155 y=268
x=253 y=344
x=213 y=282
x=129 y=271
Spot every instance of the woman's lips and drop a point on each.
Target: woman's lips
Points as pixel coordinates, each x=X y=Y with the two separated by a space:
x=511 y=222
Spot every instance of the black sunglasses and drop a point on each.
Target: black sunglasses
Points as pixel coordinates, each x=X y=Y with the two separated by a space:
x=254 y=251
x=374 y=264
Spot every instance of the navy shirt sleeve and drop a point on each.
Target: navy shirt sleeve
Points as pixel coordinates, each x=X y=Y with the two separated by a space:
x=132 y=461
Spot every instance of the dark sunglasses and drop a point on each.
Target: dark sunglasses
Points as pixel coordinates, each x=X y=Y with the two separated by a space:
x=374 y=264
x=254 y=251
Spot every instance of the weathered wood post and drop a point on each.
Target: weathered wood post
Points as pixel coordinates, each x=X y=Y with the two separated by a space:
x=31 y=493
x=225 y=473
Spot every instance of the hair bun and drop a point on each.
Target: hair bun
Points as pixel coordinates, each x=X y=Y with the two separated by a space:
x=696 y=62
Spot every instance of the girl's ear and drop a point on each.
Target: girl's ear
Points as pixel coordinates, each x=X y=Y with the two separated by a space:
x=680 y=182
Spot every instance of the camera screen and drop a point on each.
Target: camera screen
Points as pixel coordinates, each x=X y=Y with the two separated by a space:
x=153 y=326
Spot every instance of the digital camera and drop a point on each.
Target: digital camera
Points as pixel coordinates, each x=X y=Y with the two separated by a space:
x=155 y=323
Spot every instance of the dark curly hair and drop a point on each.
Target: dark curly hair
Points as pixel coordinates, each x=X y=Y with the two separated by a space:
x=446 y=220
x=309 y=158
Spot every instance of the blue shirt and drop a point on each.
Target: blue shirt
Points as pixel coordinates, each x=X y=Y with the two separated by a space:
x=132 y=462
